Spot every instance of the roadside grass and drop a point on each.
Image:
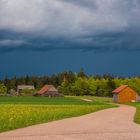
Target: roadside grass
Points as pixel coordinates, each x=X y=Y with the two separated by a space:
x=18 y=112
x=137 y=114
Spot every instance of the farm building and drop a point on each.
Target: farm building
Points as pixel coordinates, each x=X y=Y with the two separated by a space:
x=24 y=87
x=49 y=90
x=124 y=94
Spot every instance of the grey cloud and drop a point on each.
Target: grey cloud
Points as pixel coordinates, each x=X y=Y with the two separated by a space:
x=13 y=43
x=90 y=4
x=43 y=25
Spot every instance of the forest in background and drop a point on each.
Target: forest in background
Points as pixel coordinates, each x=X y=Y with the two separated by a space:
x=70 y=83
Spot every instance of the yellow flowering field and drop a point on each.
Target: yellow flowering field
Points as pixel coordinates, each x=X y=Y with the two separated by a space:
x=17 y=116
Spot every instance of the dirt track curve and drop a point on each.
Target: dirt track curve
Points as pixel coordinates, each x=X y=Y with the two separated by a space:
x=109 y=124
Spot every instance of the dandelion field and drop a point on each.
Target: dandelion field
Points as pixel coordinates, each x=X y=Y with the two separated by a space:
x=21 y=114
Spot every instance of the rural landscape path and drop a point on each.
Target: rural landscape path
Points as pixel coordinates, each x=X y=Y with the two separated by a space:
x=108 y=124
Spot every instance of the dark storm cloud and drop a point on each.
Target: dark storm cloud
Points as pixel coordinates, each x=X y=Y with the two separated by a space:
x=90 y=4
x=44 y=25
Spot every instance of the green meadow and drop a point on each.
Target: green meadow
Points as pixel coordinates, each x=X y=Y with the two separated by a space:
x=73 y=100
x=18 y=112
x=137 y=114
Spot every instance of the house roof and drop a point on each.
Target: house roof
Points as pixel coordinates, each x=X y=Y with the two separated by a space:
x=119 y=89
x=46 y=88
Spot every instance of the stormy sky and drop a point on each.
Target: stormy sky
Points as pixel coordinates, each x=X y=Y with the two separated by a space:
x=40 y=37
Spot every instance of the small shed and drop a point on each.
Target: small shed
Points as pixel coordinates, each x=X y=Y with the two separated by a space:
x=49 y=90
x=124 y=93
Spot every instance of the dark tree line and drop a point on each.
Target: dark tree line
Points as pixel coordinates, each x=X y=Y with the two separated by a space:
x=70 y=83
x=38 y=81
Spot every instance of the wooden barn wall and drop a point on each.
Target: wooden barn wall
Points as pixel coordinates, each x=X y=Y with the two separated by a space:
x=115 y=97
x=127 y=95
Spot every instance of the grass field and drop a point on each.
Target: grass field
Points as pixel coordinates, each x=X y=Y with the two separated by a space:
x=97 y=99
x=17 y=112
x=50 y=101
x=137 y=114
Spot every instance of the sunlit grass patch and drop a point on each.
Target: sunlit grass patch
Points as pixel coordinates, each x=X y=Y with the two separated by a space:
x=17 y=116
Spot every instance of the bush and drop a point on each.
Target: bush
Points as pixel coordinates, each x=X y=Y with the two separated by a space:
x=28 y=92
x=3 y=89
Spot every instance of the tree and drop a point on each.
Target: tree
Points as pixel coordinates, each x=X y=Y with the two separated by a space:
x=92 y=86
x=65 y=88
x=13 y=83
x=111 y=86
x=6 y=82
x=77 y=87
x=81 y=73
x=135 y=84
x=81 y=86
x=27 y=80
x=3 y=89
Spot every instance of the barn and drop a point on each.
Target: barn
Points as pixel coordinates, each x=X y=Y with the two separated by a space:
x=20 y=88
x=49 y=90
x=124 y=94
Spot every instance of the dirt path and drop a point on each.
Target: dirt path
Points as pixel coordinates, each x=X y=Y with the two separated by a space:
x=87 y=100
x=109 y=124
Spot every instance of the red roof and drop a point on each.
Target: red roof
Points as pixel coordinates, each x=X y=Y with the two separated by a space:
x=44 y=89
x=47 y=88
x=119 y=89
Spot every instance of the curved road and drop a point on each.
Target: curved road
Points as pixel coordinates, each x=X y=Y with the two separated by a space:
x=109 y=124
